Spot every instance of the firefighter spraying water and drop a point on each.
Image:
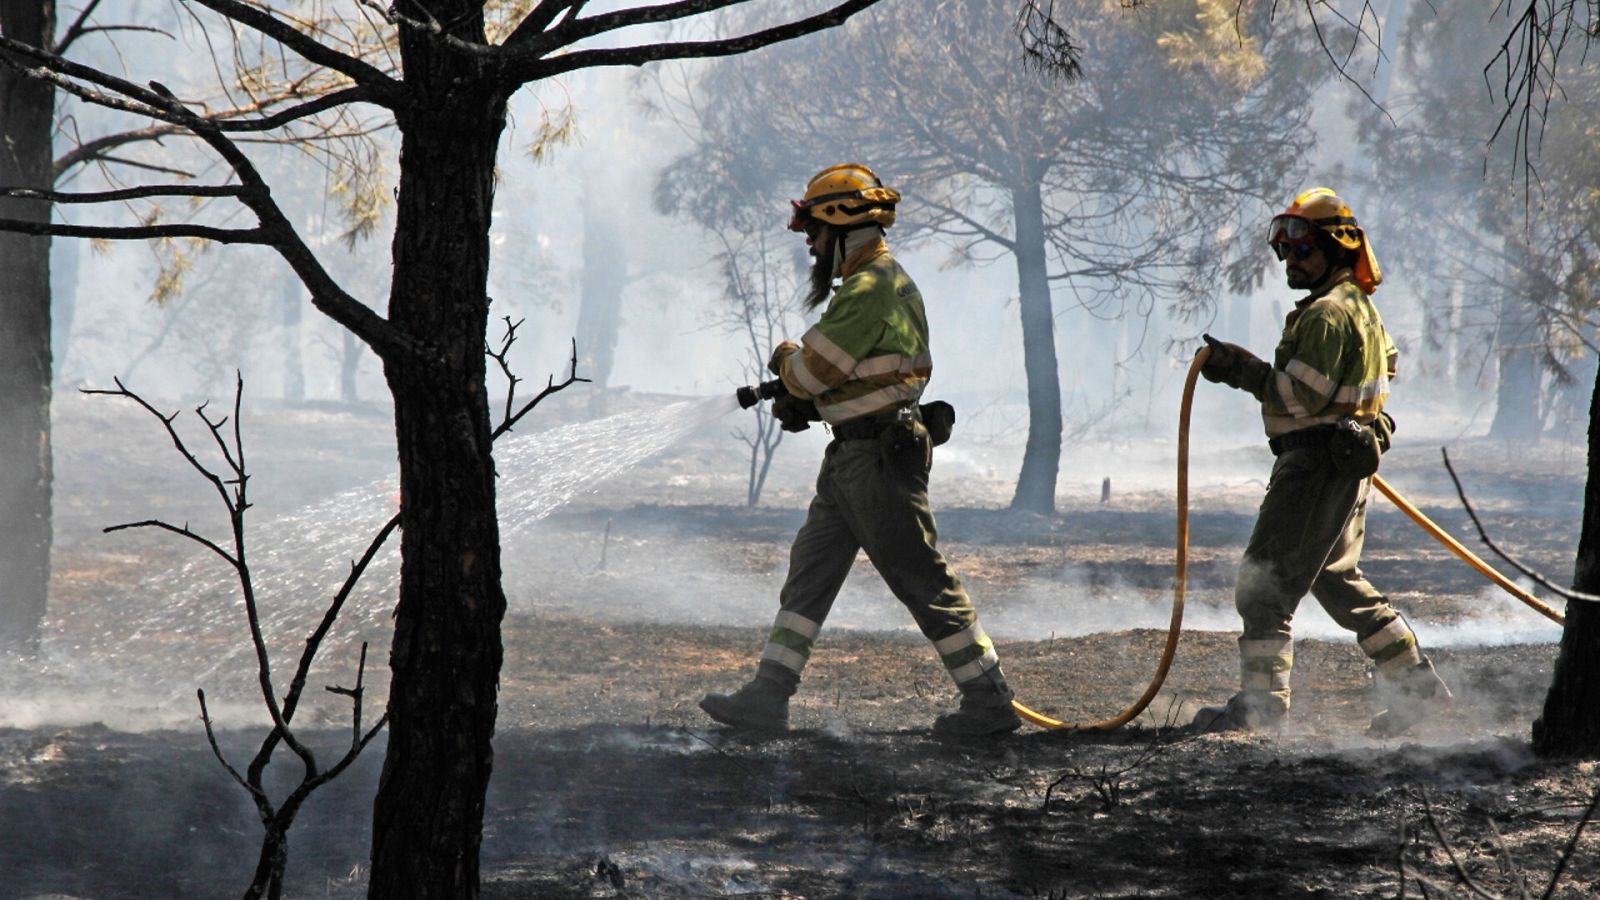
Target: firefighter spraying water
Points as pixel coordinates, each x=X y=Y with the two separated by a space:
x=862 y=369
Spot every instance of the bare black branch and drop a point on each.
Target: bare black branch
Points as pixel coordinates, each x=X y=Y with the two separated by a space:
x=232 y=487
x=1538 y=578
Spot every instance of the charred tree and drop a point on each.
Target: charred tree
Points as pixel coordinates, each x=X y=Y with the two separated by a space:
x=1570 y=722
x=449 y=102
x=27 y=109
x=427 y=819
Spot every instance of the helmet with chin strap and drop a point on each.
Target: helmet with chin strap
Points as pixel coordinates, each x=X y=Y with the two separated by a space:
x=1320 y=211
x=846 y=197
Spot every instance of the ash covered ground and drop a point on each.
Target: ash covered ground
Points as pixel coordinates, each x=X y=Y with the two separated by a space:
x=637 y=596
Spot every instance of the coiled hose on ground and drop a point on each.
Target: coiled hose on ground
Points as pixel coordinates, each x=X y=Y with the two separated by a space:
x=1180 y=579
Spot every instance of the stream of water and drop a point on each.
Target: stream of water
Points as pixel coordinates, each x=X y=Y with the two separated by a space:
x=186 y=626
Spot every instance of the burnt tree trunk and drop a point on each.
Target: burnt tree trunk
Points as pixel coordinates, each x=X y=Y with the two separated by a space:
x=1041 y=462
x=27 y=107
x=445 y=662
x=1570 y=723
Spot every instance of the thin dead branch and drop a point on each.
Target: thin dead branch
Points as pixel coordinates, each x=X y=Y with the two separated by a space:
x=502 y=359
x=1512 y=561
x=1572 y=846
x=232 y=487
x=1526 y=71
x=550 y=387
x=1105 y=781
x=1450 y=851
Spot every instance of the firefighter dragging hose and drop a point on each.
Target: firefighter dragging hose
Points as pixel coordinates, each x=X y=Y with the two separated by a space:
x=1322 y=403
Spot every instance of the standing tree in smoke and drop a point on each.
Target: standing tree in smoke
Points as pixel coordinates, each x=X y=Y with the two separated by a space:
x=1132 y=184
x=605 y=274
x=1513 y=283
x=460 y=63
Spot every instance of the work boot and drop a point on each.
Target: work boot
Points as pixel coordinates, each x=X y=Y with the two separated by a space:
x=1243 y=712
x=985 y=709
x=1412 y=695
x=761 y=705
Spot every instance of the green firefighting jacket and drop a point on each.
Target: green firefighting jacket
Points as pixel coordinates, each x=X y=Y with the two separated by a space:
x=1335 y=360
x=869 y=351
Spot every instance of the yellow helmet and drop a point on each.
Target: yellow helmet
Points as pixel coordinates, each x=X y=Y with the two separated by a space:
x=847 y=196
x=1320 y=209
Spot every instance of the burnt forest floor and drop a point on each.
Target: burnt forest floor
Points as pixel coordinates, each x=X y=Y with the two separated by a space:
x=630 y=603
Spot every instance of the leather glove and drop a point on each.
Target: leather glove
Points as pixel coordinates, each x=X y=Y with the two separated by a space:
x=779 y=354
x=794 y=414
x=1235 y=366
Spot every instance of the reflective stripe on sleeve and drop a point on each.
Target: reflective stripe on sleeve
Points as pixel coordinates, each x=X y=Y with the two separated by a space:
x=867 y=404
x=1285 y=386
x=894 y=362
x=1310 y=377
x=824 y=347
x=802 y=373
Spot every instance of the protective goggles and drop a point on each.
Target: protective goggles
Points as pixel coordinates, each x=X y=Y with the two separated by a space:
x=799 y=215
x=1292 y=236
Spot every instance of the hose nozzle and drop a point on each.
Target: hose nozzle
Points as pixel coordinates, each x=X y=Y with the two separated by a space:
x=751 y=394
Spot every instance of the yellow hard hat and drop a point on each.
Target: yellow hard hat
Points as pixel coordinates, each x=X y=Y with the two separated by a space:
x=1321 y=209
x=847 y=195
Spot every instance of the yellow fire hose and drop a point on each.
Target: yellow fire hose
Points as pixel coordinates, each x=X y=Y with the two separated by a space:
x=1180 y=579
x=1179 y=583
x=1467 y=556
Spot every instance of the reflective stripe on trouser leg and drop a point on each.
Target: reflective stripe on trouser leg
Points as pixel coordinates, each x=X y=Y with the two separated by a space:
x=967 y=654
x=1392 y=648
x=1264 y=668
x=789 y=644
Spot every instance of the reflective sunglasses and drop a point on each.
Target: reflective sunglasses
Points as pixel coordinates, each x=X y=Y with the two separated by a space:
x=1299 y=251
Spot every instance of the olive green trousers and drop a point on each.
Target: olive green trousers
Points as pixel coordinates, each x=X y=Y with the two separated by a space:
x=1308 y=537
x=872 y=495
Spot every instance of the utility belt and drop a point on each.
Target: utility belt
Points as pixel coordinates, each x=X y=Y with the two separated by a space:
x=1353 y=448
x=1315 y=436
x=938 y=417
x=868 y=428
